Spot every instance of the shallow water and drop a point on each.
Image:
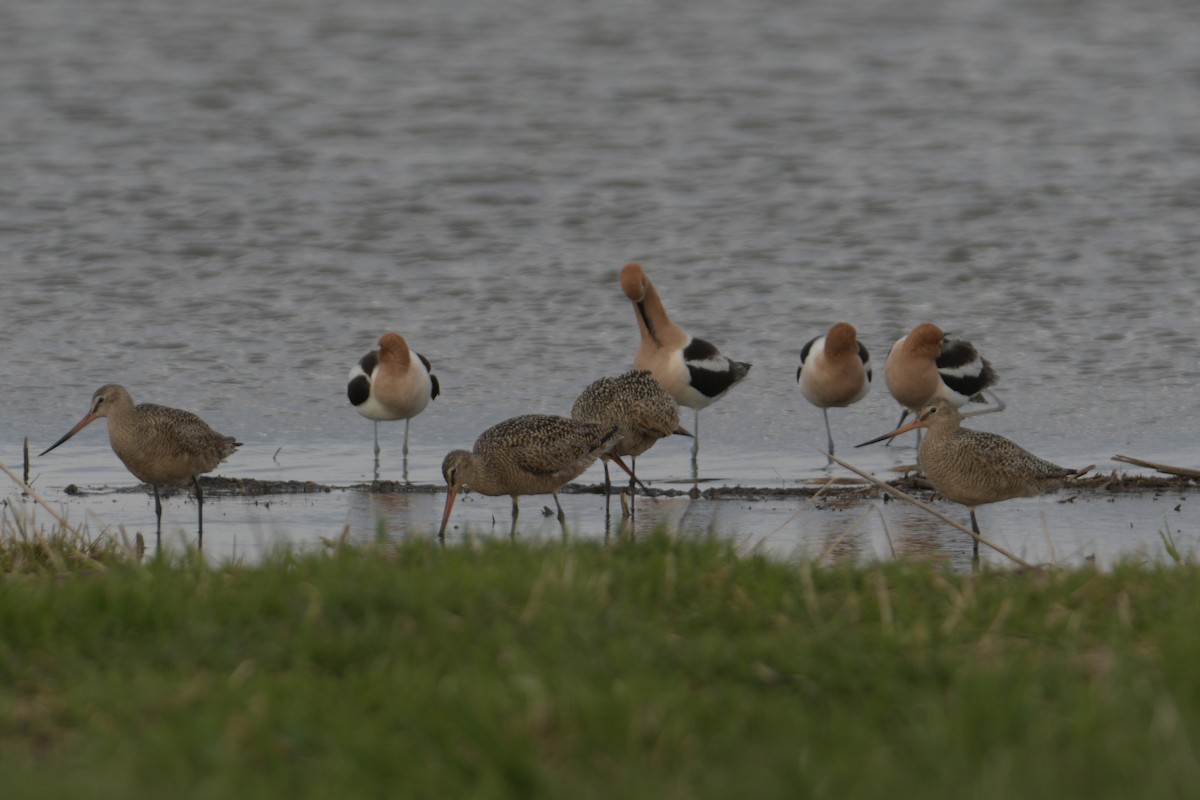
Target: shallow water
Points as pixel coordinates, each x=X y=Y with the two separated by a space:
x=223 y=205
x=1064 y=528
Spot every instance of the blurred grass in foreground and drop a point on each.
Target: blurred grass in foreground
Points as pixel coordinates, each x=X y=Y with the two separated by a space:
x=656 y=668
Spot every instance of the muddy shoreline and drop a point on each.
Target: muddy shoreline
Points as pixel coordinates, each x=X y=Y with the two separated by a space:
x=842 y=490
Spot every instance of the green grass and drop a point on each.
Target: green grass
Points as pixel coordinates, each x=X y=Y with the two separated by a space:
x=649 y=669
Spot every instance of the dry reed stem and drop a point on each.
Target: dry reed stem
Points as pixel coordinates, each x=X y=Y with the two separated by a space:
x=1049 y=539
x=886 y=530
x=849 y=529
x=886 y=618
x=808 y=589
x=807 y=503
x=37 y=499
x=1182 y=472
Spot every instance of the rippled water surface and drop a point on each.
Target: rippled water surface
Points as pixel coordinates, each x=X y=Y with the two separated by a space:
x=222 y=205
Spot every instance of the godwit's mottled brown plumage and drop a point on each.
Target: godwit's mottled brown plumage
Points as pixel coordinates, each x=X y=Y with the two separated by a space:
x=389 y=384
x=530 y=454
x=161 y=446
x=834 y=371
x=976 y=467
x=692 y=370
x=637 y=406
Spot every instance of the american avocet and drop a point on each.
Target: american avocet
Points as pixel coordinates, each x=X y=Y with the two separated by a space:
x=925 y=364
x=834 y=371
x=692 y=370
x=640 y=409
x=161 y=446
x=388 y=384
x=975 y=467
x=531 y=454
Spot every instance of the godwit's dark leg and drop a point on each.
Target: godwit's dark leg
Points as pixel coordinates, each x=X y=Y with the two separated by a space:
x=974 y=541
x=607 y=494
x=199 y=512
x=158 y=518
x=562 y=518
x=632 y=485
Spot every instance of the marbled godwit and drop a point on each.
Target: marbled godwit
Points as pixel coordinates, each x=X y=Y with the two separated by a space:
x=638 y=407
x=387 y=384
x=925 y=364
x=531 y=454
x=159 y=445
x=976 y=467
x=692 y=370
x=834 y=371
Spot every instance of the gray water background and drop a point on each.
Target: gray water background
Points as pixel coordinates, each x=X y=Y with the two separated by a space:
x=222 y=205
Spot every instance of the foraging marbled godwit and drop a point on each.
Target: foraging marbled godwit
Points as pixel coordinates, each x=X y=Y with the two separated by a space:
x=638 y=407
x=975 y=467
x=530 y=454
x=924 y=364
x=834 y=371
x=159 y=445
x=692 y=370
x=388 y=384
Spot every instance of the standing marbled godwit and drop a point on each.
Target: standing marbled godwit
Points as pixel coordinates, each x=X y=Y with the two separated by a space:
x=924 y=364
x=387 y=384
x=531 y=454
x=834 y=371
x=975 y=467
x=159 y=445
x=692 y=370
x=638 y=407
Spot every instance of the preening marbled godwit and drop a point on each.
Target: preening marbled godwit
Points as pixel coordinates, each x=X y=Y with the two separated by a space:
x=925 y=364
x=638 y=407
x=976 y=467
x=389 y=384
x=159 y=445
x=834 y=371
x=530 y=454
x=692 y=370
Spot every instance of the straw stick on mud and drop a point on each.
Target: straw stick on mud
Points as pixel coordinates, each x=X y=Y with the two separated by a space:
x=1182 y=472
